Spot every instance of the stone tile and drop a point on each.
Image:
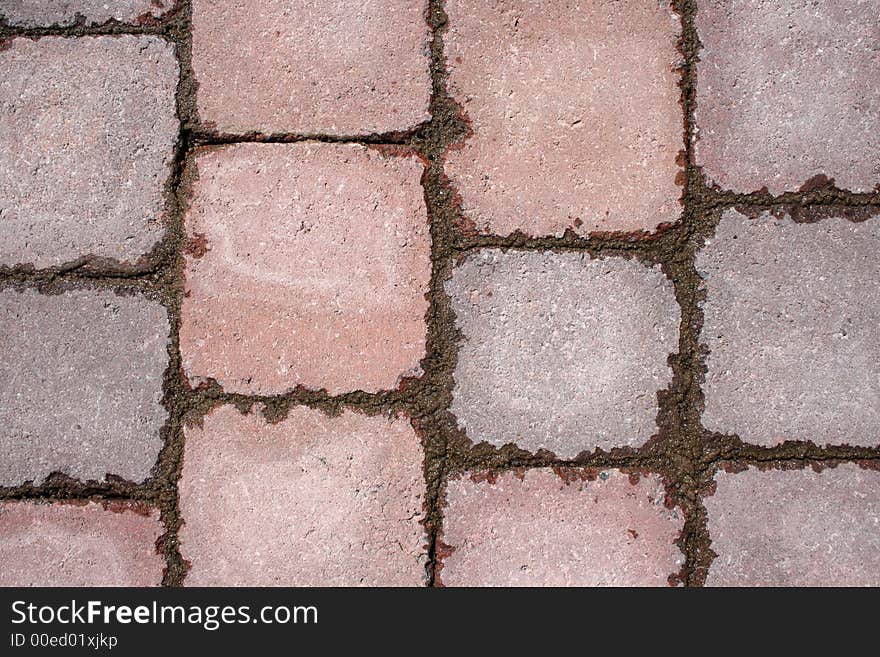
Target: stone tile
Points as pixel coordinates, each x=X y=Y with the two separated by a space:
x=559 y=351
x=80 y=385
x=792 y=313
x=796 y=528
x=787 y=91
x=575 y=114
x=308 y=266
x=313 y=66
x=80 y=544
x=88 y=138
x=309 y=501
x=46 y=13
x=536 y=528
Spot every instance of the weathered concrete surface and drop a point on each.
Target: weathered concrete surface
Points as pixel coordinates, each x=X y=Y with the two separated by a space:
x=309 y=501
x=88 y=138
x=311 y=67
x=792 y=323
x=46 y=13
x=309 y=266
x=561 y=352
x=79 y=544
x=535 y=529
x=787 y=91
x=796 y=528
x=575 y=112
x=80 y=385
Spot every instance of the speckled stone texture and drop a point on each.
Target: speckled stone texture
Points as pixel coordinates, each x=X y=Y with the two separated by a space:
x=792 y=323
x=312 y=66
x=88 y=137
x=787 y=91
x=308 y=265
x=561 y=352
x=537 y=529
x=796 y=528
x=80 y=544
x=80 y=385
x=575 y=114
x=46 y=13
x=309 y=501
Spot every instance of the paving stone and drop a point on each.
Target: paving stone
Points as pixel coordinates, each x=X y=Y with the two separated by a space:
x=787 y=91
x=575 y=114
x=559 y=351
x=796 y=528
x=792 y=323
x=309 y=501
x=46 y=13
x=313 y=66
x=80 y=544
x=88 y=138
x=80 y=385
x=536 y=528
x=308 y=265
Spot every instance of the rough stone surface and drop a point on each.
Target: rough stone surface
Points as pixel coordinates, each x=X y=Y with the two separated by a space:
x=86 y=544
x=80 y=385
x=312 y=66
x=45 y=13
x=88 y=137
x=308 y=265
x=575 y=112
x=796 y=528
x=536 y=529
x=309 y=501
x=559 y=351
x=792 y=323
x=787 y=91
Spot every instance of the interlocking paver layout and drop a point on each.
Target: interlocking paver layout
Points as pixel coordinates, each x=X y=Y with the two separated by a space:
x=440 y=293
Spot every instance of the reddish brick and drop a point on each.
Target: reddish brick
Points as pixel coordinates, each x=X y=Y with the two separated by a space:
x=538 y=529
x=787 y=91
x=79 y=544
x=46 y=13
x=312 y=66
x=575 y=114
x=308 y=265
x=792 y=323
x=311 y=500
x=80 y=385
x=88 y=137
x=796 y=528
x=561 y=351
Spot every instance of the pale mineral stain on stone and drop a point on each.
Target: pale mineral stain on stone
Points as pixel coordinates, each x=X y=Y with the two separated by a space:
x=46 y=13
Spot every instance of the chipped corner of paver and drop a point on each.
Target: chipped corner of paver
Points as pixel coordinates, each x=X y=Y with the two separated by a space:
x=51 y=13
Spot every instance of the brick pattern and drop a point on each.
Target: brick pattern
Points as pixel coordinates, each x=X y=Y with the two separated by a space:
x=442 y=292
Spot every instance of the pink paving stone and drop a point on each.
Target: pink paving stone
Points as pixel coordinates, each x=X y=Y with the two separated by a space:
x=45 y=13
x=312 y=66
x=575 y=112
x=796 y=528
x=89 y=544
x=310 y=501
x=537 y=529
x=787 y=91
x=308 y=265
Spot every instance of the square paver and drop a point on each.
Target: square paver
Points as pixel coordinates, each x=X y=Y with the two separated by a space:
x=47 y=13
x=80 y=544
x=792 y=324
x=80 y=385
x=539 y=528
x=575 y=114
x=559 y=351
x=308 y=265
x=789 y=91
x=796 y=528
x=311 y=66
x=88 y=135
x=309 y=501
